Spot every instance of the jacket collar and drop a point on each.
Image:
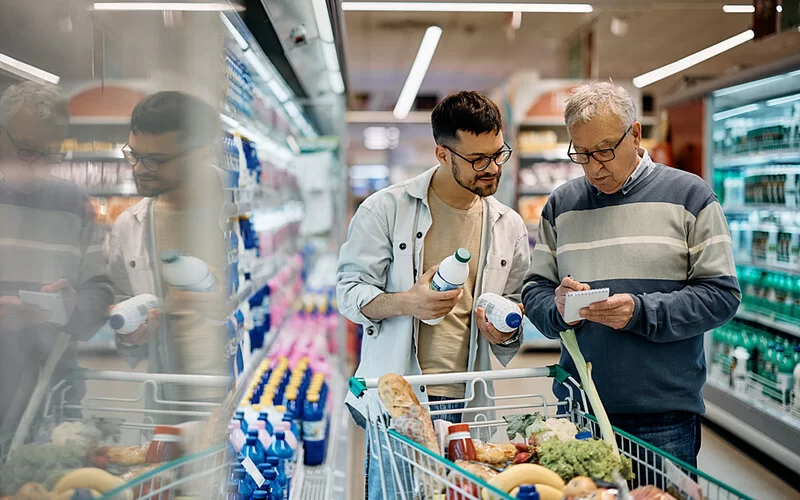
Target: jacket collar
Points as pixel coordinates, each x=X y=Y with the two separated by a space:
x=141 y=209
x=418 y=188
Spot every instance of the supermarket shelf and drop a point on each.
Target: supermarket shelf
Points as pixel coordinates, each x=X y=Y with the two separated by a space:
x=777 y=268
x=774 y=432
x=768 y=321
x=259 y=278
x=758 y=158
x=747 y=209
x=111 y=155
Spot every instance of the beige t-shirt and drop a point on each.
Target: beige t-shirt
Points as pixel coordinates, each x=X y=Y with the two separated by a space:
x=444 y=348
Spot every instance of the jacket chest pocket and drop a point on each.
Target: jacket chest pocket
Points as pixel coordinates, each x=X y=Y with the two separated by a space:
x=140 y=274
x=403 y=272
x=495 y=276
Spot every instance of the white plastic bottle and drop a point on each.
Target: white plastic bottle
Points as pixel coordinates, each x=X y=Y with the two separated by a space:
x=186 y=272
x=127 y=316
x=452 y=273
x=502 y=313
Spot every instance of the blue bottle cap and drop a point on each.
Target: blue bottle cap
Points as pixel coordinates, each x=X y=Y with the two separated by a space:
x=273 y=461
x=263 y=416
x=270 y=474
x=252 y=432
x=528 y=492
x=251 y=440
x=280 y=435
x=583 y=436
x=258 y=495
x=514 y=319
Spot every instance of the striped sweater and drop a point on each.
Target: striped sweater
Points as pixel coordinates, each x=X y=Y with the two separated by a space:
x=664 y=240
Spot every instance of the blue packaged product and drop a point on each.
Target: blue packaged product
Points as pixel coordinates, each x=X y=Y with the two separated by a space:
x=239 y=416
x=315 y=431
x=528 y=492
x=275 y=463
x=281 y=449
x=265 y=417
x=259 y=444
x=290 y=417
x=252 y=450
x=245 y=487
x=261 y=494
x=271 y=477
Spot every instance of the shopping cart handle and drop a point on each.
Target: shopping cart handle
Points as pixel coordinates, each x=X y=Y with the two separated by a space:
x=558 y=373
x=357 y=386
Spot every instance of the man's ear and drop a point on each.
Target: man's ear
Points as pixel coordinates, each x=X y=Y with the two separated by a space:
x=441 y=154
x=636 y=132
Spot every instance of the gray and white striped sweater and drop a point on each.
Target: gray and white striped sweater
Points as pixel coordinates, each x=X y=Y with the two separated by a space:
x=666 y=242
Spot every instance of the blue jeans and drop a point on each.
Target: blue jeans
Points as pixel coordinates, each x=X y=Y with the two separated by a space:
x=676 y=432
x=375 y=487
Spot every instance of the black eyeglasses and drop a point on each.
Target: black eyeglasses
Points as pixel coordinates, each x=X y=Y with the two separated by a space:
x=148 y=162
x=600 y=155
x=31 y=155
x=482 y=163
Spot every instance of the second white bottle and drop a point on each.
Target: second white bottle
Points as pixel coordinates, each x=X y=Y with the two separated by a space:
x=452 y=273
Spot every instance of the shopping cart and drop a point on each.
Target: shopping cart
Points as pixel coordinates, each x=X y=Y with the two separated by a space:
x=408 y=470
x=131 y=421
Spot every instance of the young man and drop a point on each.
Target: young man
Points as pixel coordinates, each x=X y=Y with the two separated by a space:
x=171 y=149
x=398 y=237
x=655 y=236
x=50 y=244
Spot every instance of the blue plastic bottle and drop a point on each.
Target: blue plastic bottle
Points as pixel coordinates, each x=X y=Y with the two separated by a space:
x=314 y=431
x=260 y=494
x=281 y=449
x=265 y=417
x=245 y=488
x=290 y=417
x=271 y=477
x=251 y=449
x=259 y=444
x=275 y=463
x=232 y=492
x=528 y=492
x=239 y=415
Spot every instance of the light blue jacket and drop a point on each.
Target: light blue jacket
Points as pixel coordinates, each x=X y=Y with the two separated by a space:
x=384 y=253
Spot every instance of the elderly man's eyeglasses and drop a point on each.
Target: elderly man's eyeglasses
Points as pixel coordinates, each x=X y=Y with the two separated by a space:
x=600 y=155
x=150 y=163
x=31 y=155
x=482 y=163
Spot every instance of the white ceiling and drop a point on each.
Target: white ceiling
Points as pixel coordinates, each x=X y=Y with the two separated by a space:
x=474 y=51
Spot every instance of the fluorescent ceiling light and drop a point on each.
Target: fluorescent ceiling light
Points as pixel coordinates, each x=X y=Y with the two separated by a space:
x=749 y=85
x=467 y=7
x=744 y=9
x=783 y=100
x=417 y=73
x=166 y=6
x=323 y=20
x=692 y=60
x=736 y=112
x=27 y=71
x=237 y=37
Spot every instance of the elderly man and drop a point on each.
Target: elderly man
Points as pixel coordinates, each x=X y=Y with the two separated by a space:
x=50 y=244
x=658 y=239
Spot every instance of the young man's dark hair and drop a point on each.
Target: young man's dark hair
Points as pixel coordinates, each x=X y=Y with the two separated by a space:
x=172 y=111
x=467 y=111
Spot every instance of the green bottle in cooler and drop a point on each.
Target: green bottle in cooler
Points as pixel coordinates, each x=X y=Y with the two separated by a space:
x=796 y=296
x=786 y=366
x=772 y=286
x=750 y=343
x=763 y=349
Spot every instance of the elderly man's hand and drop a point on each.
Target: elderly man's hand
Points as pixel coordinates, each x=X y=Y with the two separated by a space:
x=568 y=285
x=616 y=312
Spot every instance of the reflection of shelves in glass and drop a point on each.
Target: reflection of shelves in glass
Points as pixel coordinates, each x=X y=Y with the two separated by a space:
x=794 y=270
x=769 y=320
x=779 y=414
x=746 y=209
x=757 y=158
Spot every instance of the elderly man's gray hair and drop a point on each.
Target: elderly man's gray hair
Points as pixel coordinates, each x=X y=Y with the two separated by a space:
x=590 y=98
x=44 y=101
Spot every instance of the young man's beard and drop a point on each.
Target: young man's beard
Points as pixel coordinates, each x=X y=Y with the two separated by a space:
x=473 y=186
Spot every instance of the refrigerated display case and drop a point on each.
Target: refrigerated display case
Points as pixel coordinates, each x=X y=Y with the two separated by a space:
x=752 y=158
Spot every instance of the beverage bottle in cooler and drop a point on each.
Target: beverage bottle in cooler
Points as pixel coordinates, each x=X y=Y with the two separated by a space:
x=263 y=434
x=253 y=432
x=281 y=449
x=291 y=437
x=795 y=313
x=271 y=478
x=771 y=285
x=452 y=273
x=262 y=494
x=127 y=316
x=502 y=313
x=785 y=375
x=289 y=419
x=236 y=436
x=242 y=479
x=264 y=417
x=186 y=272
x=275 y=463
x=232 y=491
x=239 y=416
x=252 y=449
x=314 y=431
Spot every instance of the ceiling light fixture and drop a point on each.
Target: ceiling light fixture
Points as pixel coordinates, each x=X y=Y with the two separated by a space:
x=744 y=9
x=167 y=6
x=567 y=8
x=323 y=20
x=692 y=60
x=417 y=73
x=736 y=112
x=27 y=71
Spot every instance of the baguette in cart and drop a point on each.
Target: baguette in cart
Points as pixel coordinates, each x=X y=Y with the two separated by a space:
x=521 y=440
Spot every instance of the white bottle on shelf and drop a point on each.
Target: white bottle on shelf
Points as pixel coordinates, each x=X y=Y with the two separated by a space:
x=127 y=316
x=186 y=272
x=452 y=273
x=502 y=313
